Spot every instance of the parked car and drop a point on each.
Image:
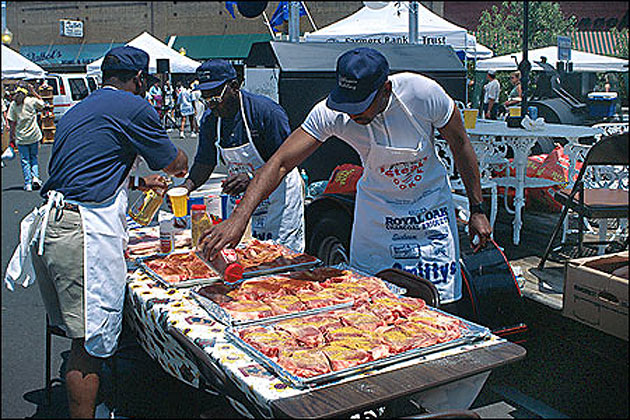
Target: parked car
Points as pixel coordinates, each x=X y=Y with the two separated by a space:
x=69 y=89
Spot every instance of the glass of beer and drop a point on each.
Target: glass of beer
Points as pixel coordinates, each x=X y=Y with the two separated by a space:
x=179 y=200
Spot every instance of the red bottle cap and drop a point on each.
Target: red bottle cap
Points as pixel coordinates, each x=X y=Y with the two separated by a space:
x=233 y=273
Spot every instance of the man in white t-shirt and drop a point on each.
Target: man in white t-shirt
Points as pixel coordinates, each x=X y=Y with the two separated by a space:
x=491 y=92
x=404 y=214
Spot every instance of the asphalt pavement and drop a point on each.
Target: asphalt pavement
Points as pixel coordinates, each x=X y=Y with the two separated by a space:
x=23 y=317
x=570 y=370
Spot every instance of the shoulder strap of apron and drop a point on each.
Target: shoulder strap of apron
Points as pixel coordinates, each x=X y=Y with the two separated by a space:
x=247 y=130
x=413 y=121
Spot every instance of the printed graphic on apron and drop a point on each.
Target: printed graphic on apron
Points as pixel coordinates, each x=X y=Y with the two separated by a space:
x=422 y=221
x=436 y=273
x=236 y=168
x=405 y=174
x=405 y=251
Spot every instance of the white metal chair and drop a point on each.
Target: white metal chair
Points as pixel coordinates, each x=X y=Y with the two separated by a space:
x=484 y=152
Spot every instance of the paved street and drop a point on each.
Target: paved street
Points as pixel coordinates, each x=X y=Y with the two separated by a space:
x=23 y=324
x=570 y=370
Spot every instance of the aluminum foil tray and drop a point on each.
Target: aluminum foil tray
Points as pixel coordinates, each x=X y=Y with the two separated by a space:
x=471 y=333
x=141 y=262
x=224 y=317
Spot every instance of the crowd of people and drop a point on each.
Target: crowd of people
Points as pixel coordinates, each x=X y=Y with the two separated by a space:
x=177 y=106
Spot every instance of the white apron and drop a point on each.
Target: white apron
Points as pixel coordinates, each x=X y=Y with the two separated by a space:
x=105 y=239
x=280 y=217
x=404 y=215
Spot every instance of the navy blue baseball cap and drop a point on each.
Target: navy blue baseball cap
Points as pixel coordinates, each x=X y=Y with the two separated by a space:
x=213 y=73
x=360 y=74
x=129 y=58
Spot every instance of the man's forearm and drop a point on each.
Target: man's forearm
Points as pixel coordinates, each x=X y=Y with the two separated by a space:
x=266 y=180
x=199 y=174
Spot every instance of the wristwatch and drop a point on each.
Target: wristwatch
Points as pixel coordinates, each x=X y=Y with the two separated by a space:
x=476 y=208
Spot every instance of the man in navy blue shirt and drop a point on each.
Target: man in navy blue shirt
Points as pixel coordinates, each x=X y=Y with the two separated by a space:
x=80 y=265
x=245 y=130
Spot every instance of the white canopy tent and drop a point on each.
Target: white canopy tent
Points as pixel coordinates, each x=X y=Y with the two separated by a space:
x=390 y=24
x=156 y=49
x=16 y=66
x=582 y=61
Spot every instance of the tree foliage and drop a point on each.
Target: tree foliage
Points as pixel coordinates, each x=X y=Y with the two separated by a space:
x=501 y=28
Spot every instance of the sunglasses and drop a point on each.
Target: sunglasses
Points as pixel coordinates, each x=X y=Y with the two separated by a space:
x=215 y=100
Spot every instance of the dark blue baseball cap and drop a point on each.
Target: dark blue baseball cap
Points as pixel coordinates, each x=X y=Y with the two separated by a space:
x=213 y=73
x=360 y=74
x=129 y=58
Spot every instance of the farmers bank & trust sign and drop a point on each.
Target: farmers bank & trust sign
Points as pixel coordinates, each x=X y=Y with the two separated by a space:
x=392 y=39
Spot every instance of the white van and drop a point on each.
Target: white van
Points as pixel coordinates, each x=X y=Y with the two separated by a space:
x=69 y=89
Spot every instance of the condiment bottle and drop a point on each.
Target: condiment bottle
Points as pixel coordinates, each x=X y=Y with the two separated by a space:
x=167 y=236
x=200 y=222
x=146 y=206
x=226 y=263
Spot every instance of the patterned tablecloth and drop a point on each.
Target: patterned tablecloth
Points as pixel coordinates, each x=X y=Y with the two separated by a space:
x=151 y=308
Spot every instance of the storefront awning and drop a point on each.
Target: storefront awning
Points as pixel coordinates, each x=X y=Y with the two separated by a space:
x=596 y=42
x=203 y=47
x=66 y=54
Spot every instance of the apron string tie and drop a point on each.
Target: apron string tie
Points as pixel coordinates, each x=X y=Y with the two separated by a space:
x=55 y=199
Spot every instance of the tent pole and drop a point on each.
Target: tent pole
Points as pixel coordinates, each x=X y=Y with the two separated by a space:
x=264 y=15
x=413 y=22
x=308 y=14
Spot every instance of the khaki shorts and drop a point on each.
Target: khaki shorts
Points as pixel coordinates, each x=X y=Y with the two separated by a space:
x=60 y=272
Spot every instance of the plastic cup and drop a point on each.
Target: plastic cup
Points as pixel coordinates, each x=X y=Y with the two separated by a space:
x=515 y=111
x=179 y=201
x=470 y=118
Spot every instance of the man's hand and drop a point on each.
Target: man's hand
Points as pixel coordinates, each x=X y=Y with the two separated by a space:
x=235 y=184
x=153 y=182
x=479 y=226
x=487 y=115
x=226 y=234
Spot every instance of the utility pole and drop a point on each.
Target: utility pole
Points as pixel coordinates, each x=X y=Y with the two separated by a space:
x=525 y=66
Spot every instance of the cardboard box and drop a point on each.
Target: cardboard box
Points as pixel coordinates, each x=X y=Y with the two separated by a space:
x=596 y=297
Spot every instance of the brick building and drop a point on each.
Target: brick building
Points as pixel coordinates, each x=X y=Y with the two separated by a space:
x=206 y=29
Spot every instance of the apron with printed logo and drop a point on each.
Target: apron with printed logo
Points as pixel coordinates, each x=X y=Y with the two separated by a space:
x=404 y=215
x=280 y=217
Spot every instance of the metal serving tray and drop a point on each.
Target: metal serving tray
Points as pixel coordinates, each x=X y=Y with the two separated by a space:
x=224 y=317
x=141 y=262
x=272 y=270
x=470 y=333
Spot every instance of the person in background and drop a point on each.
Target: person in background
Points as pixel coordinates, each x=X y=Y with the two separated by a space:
x=245 y=129
x=491 y=92
x=155 y=94
x=187 y=110
x=80 y=265
x=169 y=109
x=197 y=102
x=516 y=94
x=25 y=131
